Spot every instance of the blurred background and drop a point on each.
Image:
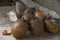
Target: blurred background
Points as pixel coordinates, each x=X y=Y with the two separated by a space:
x=51 y=4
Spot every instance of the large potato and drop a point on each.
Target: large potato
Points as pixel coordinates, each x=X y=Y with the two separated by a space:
x=19 y=29
x=37 y=27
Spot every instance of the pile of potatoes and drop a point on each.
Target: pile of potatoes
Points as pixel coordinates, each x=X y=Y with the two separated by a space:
x=34 y=21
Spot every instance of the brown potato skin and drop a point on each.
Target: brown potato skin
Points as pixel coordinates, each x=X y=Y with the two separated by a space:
x=28 y=14
x=39 y=14
x=19 y=29
x=37 y=27
x=51 y=27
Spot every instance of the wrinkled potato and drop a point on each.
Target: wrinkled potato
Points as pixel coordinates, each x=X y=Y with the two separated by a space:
x=51 y=26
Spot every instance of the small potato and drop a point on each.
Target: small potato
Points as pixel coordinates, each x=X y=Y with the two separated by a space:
x=6 y=32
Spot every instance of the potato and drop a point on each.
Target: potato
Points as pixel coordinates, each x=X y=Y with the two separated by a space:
x=51 y=26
